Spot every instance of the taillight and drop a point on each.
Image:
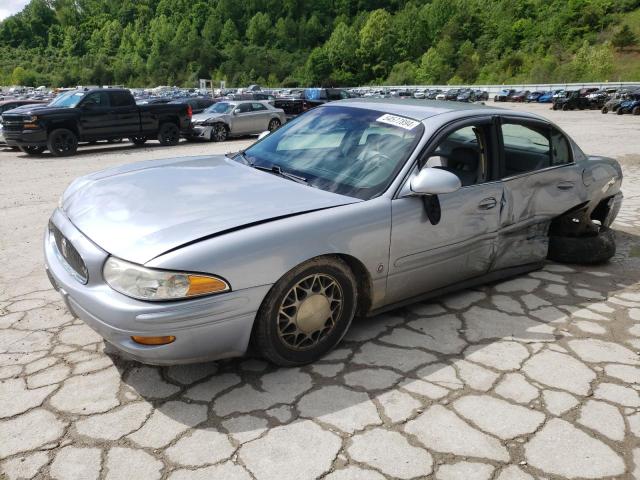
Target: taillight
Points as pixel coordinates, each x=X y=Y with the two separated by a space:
x=189 y=111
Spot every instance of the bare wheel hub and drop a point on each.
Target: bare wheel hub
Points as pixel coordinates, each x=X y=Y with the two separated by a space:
x=309 y=311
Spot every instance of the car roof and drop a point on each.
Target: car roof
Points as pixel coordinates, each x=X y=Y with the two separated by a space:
x=418 y=109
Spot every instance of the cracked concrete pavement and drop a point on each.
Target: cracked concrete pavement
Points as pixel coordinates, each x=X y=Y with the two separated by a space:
x=534 y=377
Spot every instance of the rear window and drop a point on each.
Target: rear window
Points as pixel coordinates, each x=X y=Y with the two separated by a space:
x=120 y=99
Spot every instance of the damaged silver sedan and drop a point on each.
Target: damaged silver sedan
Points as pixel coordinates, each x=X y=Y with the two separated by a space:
x=353 y=208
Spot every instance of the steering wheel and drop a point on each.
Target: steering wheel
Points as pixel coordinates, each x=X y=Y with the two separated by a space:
x=378 y=159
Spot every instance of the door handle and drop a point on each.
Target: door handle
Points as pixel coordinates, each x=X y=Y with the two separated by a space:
x=565 y=185
x=487 y=203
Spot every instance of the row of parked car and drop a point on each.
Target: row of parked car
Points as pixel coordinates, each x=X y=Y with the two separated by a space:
x=618 y=100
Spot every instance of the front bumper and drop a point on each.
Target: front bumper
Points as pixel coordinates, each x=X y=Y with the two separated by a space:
x=25 y=138
x=201 y=131
x=207 y=328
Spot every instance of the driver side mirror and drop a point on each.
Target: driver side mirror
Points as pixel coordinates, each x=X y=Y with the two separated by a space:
x=434 y=181
x=235 y=111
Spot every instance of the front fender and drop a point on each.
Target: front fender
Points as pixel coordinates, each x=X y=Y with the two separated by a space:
x=261 y=254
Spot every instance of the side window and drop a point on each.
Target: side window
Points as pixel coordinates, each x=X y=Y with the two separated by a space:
x=99 y=99
x=560 y=149
x=258 y=107
x=465 y=153
x=119 y=99
x=244 y=108
x=526 y=148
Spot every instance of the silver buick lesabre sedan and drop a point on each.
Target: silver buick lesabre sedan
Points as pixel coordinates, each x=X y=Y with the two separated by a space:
x=353 y=208
x=236 y=118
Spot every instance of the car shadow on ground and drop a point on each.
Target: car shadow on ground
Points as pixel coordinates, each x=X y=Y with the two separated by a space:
x=391 y=367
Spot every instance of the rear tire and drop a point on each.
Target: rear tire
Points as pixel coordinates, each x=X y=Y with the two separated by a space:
x=587 y=250
x=32 y=150
x=169 y=134
x=306 y=313
x=274 y=124
x=605 y=110
x=619 y=111
x=62 y=142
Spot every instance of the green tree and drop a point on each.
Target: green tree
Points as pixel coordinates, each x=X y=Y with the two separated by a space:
x=624 y=38
x=259 y=29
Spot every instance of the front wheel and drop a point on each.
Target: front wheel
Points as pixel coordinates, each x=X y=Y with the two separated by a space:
x=619 y=111
x=307 y=312
x=636 y=111
x=585 y=250
x=169 y=134
x=274 y=124
x=219 y=133
x=62 y=142
x=605 y=110
x=32 y=150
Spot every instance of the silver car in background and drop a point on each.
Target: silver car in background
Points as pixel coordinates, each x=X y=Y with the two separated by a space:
x=351 y=209
x=236 y=118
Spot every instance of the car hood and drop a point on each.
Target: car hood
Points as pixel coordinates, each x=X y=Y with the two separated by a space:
x=140 y=211
x=201 y=117
x=22 y=109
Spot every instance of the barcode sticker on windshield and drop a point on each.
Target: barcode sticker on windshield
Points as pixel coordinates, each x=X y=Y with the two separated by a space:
x=401 y=122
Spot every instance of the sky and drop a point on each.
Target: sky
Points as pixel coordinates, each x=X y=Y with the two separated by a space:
x=9 y=7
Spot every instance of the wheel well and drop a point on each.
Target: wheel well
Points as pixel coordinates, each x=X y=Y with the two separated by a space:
x=578 y=221
x=364 y=283
x=68 y=125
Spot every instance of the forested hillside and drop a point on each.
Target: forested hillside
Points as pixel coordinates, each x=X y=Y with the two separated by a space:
x=319 y=42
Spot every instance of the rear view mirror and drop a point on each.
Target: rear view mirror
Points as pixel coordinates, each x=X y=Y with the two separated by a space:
x=434 y=181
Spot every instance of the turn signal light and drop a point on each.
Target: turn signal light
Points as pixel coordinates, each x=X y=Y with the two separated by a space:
x=200 y=285
x=164 y=340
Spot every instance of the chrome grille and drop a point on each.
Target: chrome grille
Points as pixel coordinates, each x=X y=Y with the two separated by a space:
x=69 y=255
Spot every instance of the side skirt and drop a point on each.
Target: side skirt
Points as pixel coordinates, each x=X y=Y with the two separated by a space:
x=491 y=277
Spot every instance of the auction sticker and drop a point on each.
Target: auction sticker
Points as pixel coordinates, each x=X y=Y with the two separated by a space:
x=396 y=121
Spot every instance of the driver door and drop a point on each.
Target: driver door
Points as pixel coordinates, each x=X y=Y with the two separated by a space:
x=96 y=118
x=426 y=255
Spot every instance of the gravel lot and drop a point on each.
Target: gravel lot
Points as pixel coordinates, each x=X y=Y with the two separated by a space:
x=536 y=377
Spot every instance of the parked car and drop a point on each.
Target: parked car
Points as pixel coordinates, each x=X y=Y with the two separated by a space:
x=354 y=208
x=630 y=105
x=452 y=94
x=466 y=95
x=440 y=95
x=504 y=95
x=10 y=104
x=570 y=101
x=546 y=97
x=309 y=98
x=482 y=95
x=154 y=101
x=236 y=118
x=520 y=96
x=92 y=115
x=198 y=104
x=534 y=96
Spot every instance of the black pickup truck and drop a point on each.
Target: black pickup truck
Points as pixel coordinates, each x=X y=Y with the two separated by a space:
x=91 y=115
x=303 y=100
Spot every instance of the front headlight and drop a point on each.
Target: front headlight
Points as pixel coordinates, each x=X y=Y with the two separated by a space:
x=147 y=284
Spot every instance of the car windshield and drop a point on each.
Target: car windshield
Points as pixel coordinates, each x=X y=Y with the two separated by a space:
x=350 y=151
x=68 y=99
x=221 y=107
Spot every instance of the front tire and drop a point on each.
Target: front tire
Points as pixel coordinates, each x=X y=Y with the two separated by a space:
x=636 y=111
x=219 y=133
x=32 y=150
x=605 y=110
x=585 y=250
x=169 y=134
x=62 y=142
x=306 y=313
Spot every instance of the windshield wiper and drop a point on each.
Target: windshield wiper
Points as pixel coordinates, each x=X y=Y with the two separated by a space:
x=275 y=169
